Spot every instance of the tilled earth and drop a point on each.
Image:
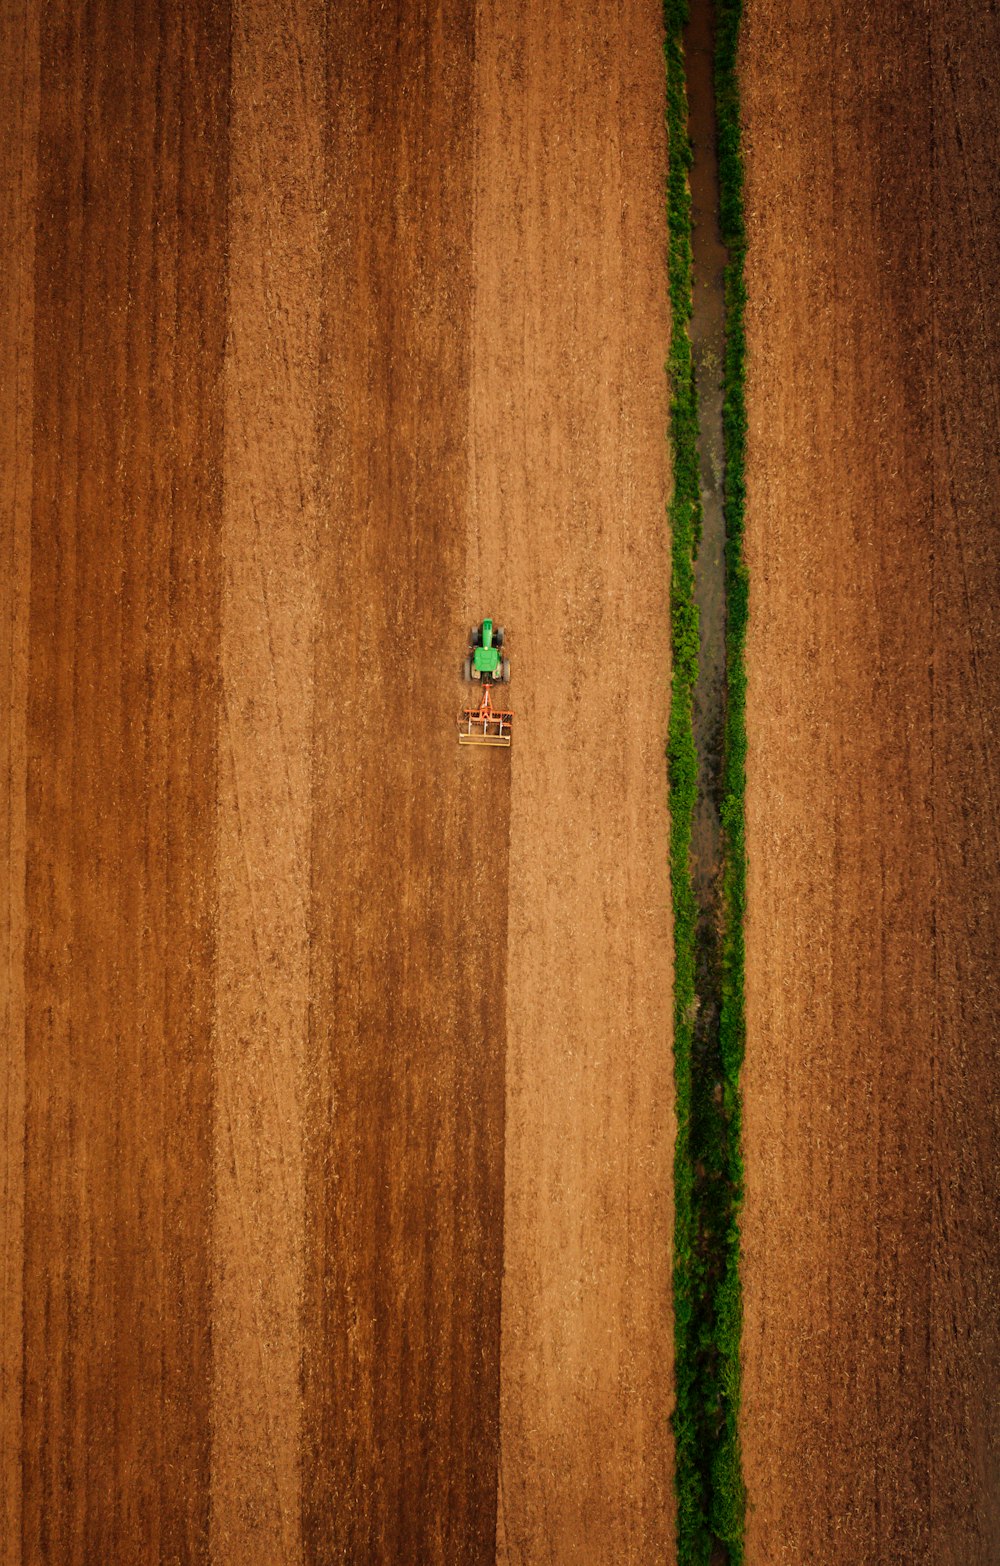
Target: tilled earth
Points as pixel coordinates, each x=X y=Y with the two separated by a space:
x=337 y=1081
x=872 y=1349
x=337 y=1096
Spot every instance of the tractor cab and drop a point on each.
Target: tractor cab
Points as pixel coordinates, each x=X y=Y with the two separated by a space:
x=485 y=661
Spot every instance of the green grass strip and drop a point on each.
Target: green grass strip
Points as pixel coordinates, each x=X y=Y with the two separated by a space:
x=685 y=526
x=711 y=1499
x=728 y=1510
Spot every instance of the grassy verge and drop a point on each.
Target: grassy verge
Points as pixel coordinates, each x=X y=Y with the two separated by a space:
x=728 y=1493
x=706 y=1284
x=685 y=525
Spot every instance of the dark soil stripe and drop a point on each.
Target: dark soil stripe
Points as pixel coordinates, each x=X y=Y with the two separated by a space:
x=404 y=1177
x=123 y=683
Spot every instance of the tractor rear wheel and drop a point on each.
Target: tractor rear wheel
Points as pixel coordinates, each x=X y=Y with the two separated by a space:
x=505 y=672
x=467 y=671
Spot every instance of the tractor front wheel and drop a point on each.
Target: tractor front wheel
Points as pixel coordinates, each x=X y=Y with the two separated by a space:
x=476 y=636
x=498 y=637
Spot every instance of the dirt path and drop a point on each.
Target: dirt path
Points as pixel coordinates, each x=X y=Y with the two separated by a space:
x=871 y=1329
x=707 y=330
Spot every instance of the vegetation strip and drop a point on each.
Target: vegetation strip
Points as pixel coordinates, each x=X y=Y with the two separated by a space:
x=708 y=1166
x=729 y=1498
x=685 y=520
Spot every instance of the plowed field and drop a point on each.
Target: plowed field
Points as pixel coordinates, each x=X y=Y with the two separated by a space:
x=872 y=1349
x=337 y=1095
x=336 y=1090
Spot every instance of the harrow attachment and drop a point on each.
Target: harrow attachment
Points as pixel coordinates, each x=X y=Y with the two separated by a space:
x=485 y=724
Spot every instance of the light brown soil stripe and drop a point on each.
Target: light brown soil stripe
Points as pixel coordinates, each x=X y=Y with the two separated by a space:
x=121 y=822
x=268 y=614
x=18 y=167
x=409 y=891
x=567 y=528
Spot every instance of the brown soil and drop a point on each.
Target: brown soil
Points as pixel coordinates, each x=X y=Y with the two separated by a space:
x=268 y=619
x=404 y=1111
x=337 y=1093
x=336 y=1089
x=18 y=174
x=121 y=783
x=871 y=1350
x=565 y=531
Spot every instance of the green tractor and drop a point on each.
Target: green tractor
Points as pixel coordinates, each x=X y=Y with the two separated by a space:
x=486 y=664
x=485 y=661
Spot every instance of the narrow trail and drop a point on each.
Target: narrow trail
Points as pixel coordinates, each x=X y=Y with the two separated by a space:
x=707 y=343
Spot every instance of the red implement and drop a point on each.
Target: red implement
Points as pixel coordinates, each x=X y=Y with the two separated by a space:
x=485 y=724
